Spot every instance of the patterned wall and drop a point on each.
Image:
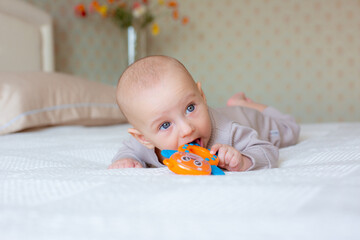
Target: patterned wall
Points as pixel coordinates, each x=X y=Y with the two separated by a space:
x=301 y=56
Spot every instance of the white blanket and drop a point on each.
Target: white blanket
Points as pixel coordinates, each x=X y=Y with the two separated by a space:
x=54 y=185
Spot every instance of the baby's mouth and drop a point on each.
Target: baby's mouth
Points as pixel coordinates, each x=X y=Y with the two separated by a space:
x=197 y=141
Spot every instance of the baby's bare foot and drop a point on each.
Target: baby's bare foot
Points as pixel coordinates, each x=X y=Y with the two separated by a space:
x=240 y=99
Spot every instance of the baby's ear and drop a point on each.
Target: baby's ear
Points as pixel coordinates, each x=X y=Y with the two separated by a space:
x=201 y=91
x=141 y=138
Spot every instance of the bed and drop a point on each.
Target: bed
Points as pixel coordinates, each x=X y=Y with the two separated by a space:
x=54 y=182
x=54 y=185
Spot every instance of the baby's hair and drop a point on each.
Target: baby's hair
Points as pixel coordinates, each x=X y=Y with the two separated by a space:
x=143 y=74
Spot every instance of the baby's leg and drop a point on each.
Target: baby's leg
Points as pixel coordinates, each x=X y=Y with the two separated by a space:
x=272 y=125
x=239 y=99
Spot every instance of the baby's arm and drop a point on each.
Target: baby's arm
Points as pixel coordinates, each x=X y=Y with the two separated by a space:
x=125 y=163
x=262 y=154
x=230 y=158
x=130 y=155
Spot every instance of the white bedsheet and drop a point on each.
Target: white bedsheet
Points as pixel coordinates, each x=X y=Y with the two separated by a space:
x=54 y=185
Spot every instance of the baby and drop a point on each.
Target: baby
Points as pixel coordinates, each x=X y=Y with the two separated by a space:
x=168 y=109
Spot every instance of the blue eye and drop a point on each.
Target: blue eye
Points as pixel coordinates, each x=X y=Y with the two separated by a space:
x=190 y=108
x=164 y=126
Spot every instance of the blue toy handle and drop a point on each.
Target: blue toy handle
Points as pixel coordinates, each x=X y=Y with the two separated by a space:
x=167 y=153
x=215 y=170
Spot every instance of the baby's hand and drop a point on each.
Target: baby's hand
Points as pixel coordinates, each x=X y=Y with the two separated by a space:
x=230 y=158
x=125 y=163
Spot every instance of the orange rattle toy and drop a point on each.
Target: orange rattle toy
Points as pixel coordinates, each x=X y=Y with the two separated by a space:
x=191 y=159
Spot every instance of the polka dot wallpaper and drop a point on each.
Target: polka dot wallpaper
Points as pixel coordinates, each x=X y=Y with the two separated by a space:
x=300 y=56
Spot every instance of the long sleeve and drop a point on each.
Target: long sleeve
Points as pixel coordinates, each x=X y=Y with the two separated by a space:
x=262 y=153
x=131 y=148
x=271 y=125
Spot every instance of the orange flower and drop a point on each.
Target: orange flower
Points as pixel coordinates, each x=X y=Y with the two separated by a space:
x=172 y=4
x=175 y=14
x=95 y=4
x=185 y=20
x=135 y=12
x=80 y=10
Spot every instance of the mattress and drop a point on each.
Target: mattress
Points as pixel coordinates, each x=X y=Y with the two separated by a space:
x=54 y=184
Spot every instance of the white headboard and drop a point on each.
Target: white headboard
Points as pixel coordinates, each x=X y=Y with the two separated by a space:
x=26 y=37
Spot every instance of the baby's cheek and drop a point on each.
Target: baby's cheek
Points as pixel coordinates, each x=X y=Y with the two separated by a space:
x=167 y=144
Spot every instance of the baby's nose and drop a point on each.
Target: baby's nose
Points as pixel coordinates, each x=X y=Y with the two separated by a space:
x=186 y=129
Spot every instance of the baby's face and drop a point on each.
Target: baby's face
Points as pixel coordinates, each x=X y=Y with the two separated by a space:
x=173 y=112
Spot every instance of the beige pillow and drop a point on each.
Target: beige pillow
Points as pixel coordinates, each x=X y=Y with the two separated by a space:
x=37 y=99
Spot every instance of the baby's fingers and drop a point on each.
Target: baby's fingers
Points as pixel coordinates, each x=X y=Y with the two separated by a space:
x=235 y=159
x=222 y=155
x=129 y=164
x=125 y=163
x=234 y=162
x=215 y=148
x=132 y=164
x=138 y=165
x=116 y=164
